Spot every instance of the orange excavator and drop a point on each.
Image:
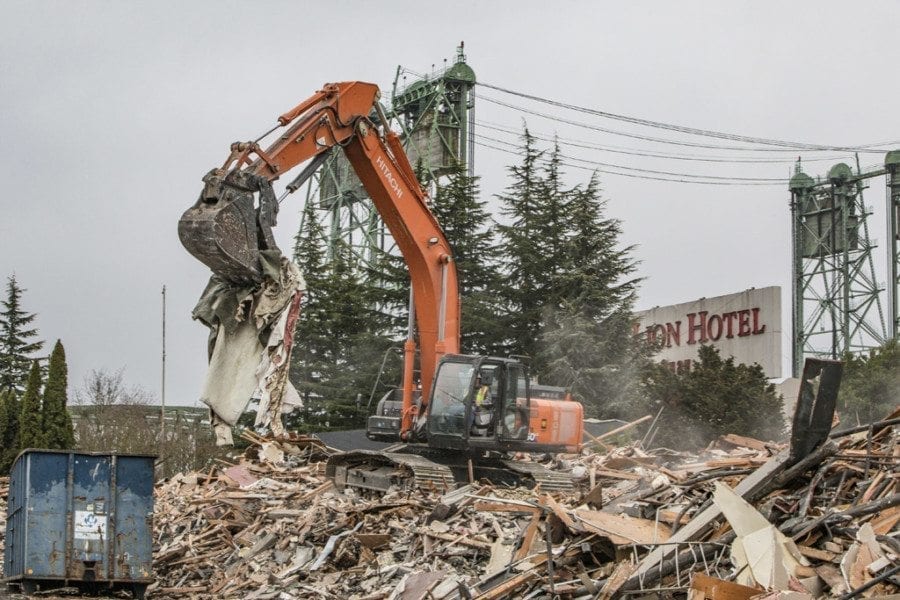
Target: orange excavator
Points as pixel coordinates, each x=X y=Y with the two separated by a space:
x=469 y=411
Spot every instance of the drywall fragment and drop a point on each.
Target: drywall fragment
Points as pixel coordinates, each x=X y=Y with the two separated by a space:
x=771 y=556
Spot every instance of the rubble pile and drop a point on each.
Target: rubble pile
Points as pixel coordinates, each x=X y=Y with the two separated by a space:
x=742 y=519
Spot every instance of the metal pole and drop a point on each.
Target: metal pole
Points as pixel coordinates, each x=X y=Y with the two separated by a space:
x=846 y=200
x=796 y=286
x=892 y=163
x=801 y=187
x=162 y=395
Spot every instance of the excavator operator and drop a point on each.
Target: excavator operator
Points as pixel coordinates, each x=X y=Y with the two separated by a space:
x=482 y=409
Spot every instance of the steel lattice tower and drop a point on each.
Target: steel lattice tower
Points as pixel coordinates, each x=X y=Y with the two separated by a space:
x=435 y=115
x=892 y=166
x=837 y=306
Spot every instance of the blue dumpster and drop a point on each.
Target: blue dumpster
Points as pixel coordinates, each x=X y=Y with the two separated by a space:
x=80 y=519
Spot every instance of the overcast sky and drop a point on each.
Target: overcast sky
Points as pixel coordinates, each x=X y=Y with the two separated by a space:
x=111 y=112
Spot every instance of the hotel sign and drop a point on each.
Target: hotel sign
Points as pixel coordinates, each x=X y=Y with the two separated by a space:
x=746 y=325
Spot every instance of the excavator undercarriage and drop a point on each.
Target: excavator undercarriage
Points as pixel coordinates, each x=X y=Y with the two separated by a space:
x=416 y=466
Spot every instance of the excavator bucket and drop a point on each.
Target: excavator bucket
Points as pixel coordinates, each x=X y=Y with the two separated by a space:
x=222 y=230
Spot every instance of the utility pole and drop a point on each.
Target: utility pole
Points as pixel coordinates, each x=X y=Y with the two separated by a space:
x=162 y=395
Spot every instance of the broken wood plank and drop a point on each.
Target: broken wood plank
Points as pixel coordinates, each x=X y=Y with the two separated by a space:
x=528 y=537
x=712 y=588
x=623 y=530
x=744 y=441
x=625 y=427
x=614 y=474
x=561 y=514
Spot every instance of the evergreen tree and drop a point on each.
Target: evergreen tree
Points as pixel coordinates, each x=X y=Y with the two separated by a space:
x=9 y=428
x=17 y=342
x=586 y=343
x=532 y=245
x=714 y=398
x=310 y=335
x=31 y=434
x=869 y=391
x=348 y=317
x=57 y=422
x=386 y=282
x=4 y=418
x=466 y=224
x=4 y=428
x=338 y=340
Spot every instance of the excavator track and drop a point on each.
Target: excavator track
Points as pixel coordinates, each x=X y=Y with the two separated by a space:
x=550 y=481
x=381 y=471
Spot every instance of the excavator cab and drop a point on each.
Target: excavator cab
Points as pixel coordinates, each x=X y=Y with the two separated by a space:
x=479 y=403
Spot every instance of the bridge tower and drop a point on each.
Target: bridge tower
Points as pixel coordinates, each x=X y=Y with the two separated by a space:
x=837 y=304
x=435 y=117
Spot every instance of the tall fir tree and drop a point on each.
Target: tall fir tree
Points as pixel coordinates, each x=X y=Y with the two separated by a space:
x=386 y=279
x=4 y=418
x=339 y=336
x=5 y=444
x=587 y=343
x=31 y=434
x=533 y=247
x=9 y=421
x=570 y=287
x=466 y=223
x=310 y=335
x=871 y=383
x=347 y=312
x=57 y=422
x=521 y=251
x=17 y=339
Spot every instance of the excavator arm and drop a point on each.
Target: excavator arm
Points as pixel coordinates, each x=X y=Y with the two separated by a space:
x=230 y=224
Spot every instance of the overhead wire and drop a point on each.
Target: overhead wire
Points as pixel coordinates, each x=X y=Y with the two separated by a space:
x=657 y=139
x=750 y=144
x=688 y=130
x=646 y=153
x=568 y=158
x=609 y=171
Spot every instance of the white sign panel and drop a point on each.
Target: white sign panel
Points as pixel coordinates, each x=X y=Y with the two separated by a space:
x=89 y=526
x=746 y=325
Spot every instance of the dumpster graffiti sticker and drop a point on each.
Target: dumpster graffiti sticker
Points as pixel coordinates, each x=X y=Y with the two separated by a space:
x=89 y=526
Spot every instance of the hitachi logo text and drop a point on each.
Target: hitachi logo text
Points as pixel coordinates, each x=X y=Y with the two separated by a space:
x=389 y=176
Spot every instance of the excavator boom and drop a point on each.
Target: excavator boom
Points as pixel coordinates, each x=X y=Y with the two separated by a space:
x=230 y=225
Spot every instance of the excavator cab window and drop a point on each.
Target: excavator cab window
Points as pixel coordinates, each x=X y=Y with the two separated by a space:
x=452 y=387
x=516 y=409
x=486 y=394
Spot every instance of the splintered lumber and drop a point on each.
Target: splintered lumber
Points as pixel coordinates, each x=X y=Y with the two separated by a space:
x=594 y=498
x=704 y=587
x=817 y=554
x=746 y=442
x=507 y=587
x=621 y=529
x=701 y=522
x=624 y=427
x=619 y=576
x=528 y=537
x=561 y=514
x=616 y=474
